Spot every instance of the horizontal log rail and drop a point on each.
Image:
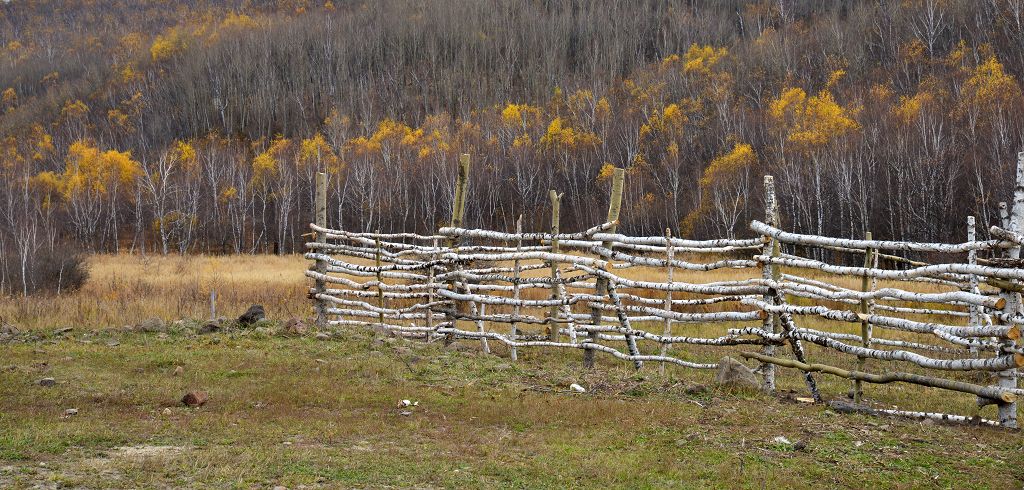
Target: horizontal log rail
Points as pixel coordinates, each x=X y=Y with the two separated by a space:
x=820 y=241
x=601 y=296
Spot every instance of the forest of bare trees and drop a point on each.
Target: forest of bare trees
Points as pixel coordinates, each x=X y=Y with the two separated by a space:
x=198 y=126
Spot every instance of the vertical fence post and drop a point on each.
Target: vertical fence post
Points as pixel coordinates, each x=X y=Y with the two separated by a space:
x=669 y=256
x=321 y=266
x=972 y=259
x=458 y=214
x=516 y=269
x=430 y=293
x=1008 y=378
x=865 y=325
x=770 y=323
x=614 y=207
x=480 y=327
x=213 y=304
x=556 y=200
x=380 y=281
x=461 y=187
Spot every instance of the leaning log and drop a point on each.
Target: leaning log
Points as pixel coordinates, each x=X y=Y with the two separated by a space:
x=993 y=393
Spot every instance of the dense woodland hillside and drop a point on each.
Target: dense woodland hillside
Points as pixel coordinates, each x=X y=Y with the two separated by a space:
x=198 y=125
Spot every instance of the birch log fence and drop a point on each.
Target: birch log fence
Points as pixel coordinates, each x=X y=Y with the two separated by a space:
x=939 y=315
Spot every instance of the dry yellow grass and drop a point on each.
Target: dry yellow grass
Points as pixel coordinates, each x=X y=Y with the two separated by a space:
x=125 y=289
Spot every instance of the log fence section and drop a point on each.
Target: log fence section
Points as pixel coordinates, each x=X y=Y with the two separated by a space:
x=602 y=292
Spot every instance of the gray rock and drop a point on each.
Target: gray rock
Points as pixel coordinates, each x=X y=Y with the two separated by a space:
x=8 y=329
x=254 y=314
x=152 y=325
x=47 y=382
x=209 y=327
x=195 y=398
x=264 y=331
x=323 y=336
x=294 y=326
x=696 y=389
x=843 y=406
x=734 y=374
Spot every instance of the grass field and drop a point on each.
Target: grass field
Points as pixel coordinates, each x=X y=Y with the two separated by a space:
x=298 y=411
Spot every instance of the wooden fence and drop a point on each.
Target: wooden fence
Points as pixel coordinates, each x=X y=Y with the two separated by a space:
x=925 y=312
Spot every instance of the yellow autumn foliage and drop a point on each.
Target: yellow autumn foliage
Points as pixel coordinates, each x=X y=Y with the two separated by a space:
x=741 y=157
x=167 y=45
x=669 y=121
x=724 y=169
x=185 y=153
x=602 y=109
x=43 y=143
x=74 y=110
x=267 y=163
x=989 y=86
x=234 y=21
x=228 y=193
x=9 y=96
x=517 y=114
x=606 y=172
x=315 y=151
x=561 y=135
x=703 y=59
x=811 y=122
x=908 y=109
x=88 y=169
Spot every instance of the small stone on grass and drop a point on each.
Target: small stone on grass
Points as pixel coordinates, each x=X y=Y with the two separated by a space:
x=195 y=398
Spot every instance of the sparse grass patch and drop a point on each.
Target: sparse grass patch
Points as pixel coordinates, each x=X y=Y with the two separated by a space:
x=296 y=411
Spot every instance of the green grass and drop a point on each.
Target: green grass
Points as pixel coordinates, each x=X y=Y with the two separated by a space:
x=297 y=411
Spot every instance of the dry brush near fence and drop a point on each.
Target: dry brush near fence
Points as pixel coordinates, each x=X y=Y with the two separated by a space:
x=923 y=313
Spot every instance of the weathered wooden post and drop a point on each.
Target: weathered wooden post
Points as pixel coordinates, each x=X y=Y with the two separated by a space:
x=1004 y=216
x=614 y=207
x=865 y=325
x=430 y=292
x=1008 y=378
x=213 y=304
x=458 y=214
x=380 y=281
x=516 y=270
x=320 y=306
x=669 y=257
x=770 y=322
x=556 y=200
x=480 y=314
x=461 y=188
x=972 y=259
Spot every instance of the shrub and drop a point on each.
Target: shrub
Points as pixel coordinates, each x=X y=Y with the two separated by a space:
x=59 y=270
